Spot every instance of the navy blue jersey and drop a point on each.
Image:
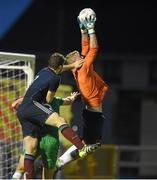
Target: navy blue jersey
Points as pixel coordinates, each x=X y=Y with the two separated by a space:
x=46 y=80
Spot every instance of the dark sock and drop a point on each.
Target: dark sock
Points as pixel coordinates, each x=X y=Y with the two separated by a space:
x=69 y=134
x=29 y=166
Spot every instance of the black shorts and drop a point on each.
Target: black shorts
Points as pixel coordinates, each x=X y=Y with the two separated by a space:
x=92 y=126
x=32 y=116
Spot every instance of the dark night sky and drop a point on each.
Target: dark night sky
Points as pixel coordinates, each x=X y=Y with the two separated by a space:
x=49 y=26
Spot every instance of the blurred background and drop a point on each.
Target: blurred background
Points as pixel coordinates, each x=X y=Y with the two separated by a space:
x=127 y=36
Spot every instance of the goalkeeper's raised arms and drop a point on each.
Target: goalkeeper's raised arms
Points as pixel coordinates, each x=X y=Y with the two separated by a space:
x=82 y=26
x=86 y=20
x=90 y=23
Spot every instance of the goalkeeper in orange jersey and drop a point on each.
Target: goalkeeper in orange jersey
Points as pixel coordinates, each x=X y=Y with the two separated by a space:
x=91 y=86
x=48 y=140
x=33 y=114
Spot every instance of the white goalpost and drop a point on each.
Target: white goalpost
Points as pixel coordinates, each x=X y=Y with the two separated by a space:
x=16 y=74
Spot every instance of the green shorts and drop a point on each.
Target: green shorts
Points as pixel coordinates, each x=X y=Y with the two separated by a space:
x=48 y=149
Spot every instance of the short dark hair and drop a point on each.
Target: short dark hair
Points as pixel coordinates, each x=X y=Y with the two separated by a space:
x=56 y=60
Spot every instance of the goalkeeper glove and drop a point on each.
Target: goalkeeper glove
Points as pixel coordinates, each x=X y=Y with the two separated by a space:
x=90 y=23
x=82 y=26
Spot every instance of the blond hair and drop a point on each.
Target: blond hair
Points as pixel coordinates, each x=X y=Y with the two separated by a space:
x=69 y=56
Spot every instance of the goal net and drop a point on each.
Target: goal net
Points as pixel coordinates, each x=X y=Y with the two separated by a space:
x=16 y=74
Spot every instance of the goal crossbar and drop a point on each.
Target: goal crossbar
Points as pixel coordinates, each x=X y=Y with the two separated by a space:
x=6 y=58
x=16 y=56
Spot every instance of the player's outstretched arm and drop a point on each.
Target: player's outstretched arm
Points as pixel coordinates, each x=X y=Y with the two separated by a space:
x=93 y=43
x=90 y=26
x=84 y=32
x=84 y=38
x=70 y=99
x=74 y=65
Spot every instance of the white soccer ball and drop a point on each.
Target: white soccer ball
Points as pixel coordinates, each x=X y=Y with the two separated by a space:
x=86 y=13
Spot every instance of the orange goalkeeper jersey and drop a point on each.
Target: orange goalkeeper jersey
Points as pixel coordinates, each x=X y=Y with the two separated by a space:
x=90 y=84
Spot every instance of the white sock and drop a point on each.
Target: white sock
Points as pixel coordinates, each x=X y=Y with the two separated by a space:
x=17 y=175
x=66 y=157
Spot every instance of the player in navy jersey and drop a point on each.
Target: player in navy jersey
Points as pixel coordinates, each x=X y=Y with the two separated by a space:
x=32 y=113
x=48 y=140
